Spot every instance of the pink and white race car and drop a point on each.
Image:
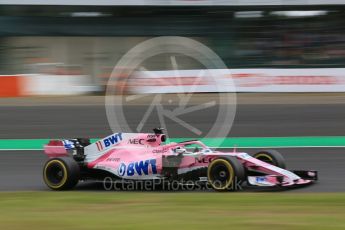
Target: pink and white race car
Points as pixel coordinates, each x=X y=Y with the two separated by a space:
x=143 y=156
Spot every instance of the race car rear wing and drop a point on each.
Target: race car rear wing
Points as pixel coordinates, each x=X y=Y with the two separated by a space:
x=61 y=148
x=55 y=148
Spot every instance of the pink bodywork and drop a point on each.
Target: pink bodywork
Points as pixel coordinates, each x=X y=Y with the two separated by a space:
x=123 y=153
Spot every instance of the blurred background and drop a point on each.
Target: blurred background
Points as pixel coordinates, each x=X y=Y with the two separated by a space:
x=282 y=50
x=78 y=43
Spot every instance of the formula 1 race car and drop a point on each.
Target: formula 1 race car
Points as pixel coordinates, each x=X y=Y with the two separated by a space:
x=143 y=156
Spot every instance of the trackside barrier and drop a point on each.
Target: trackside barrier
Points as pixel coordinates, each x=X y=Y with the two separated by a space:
x=43 y=84
x=226 y=80
x=11 y=85
x=239 y=80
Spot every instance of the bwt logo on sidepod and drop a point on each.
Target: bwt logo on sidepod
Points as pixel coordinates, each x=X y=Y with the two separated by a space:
x=114 y=139
x=140 y=168
x=105 y=143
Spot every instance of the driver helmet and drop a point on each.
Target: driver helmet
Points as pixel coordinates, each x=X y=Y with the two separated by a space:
x=180 y=149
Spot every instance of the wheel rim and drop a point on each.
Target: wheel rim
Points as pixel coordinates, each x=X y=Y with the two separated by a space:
x=55 y=174
x=220 y=174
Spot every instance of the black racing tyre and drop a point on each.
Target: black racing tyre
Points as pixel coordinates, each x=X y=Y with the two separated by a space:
x=225 y=173
x=61 y=173
x=272 y=157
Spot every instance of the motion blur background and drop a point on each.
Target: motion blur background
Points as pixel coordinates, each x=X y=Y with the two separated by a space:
x=50 y=50
x=79 y=42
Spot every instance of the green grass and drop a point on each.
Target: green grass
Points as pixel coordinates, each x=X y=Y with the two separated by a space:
x=153 y=210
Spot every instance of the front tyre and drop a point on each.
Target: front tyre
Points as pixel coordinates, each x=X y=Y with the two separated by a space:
x=225 y=173
x=272 y=157
x=61 y=173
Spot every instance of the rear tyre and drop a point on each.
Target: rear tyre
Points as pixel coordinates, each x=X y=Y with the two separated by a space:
x=61 y=173
x=272 y=157
x=225 y=173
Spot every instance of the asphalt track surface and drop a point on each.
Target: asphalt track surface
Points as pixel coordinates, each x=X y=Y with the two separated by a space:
x=271 y=120
x=22 y=170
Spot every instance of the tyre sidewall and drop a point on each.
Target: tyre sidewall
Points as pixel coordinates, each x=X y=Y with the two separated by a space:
x=238 y=173
x=71 y=173
x=277 y=159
